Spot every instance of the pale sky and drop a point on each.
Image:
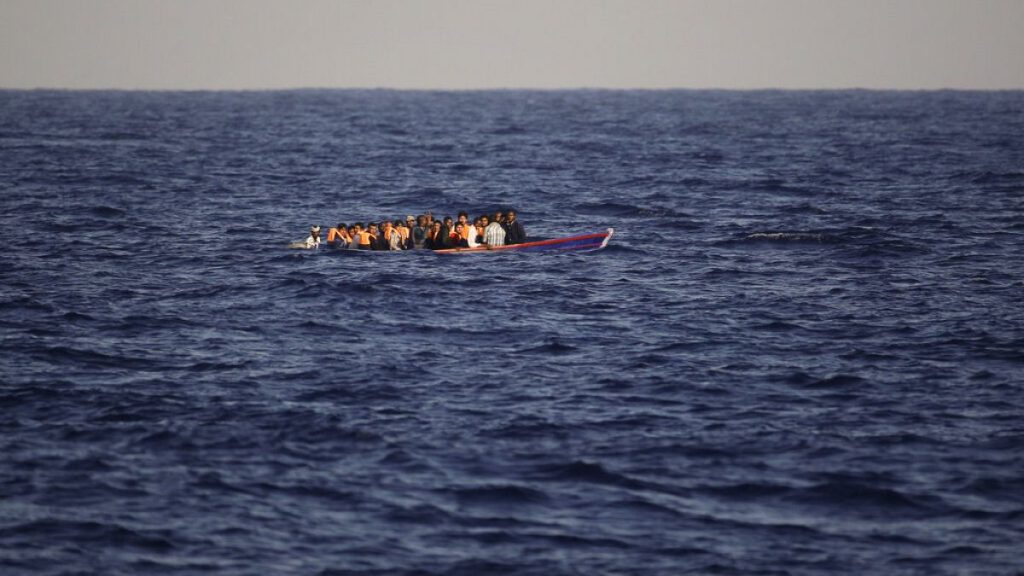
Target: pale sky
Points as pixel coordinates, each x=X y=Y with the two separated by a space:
x=460 y=44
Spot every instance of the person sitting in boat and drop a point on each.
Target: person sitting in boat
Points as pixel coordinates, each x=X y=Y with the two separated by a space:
x=435 y=238
x=469 y=234
x=410 y=224
x=494 y=234
x=379 y=233
x=456 y=239
x=313 y=241
x=403 y=234
x=478 y=226
x=338 y=236
x=419 y=232
x=389 y=238
x=482 y=222
x=514 y=231
x=447 y=228
x=366 y=238
x=467 y=229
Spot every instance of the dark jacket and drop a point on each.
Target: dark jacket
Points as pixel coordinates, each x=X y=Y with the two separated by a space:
x=445 y=237
x=515 y=233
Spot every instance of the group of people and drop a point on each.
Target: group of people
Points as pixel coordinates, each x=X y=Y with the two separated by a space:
x=424 y=232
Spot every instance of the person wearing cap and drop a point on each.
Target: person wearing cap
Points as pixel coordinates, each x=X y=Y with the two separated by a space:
x=514 y=231
x=314 y=237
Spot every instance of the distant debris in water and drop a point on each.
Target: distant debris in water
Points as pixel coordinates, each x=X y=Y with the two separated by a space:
x=789 y=237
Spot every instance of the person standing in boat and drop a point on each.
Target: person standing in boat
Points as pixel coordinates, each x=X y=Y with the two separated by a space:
x=514 y=231
x=494 y=234
x=313 y=241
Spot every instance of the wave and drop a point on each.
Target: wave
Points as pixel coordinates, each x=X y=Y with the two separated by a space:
x=500 y=495
x=866 y=500
x=553 y=347
x=620 y=210
x=91 y=533
x=791 y=237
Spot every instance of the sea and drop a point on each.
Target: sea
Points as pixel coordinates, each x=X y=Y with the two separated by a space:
x=801 y=353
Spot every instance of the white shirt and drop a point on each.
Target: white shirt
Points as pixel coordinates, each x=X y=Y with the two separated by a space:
x=471 y=239
x=312 y=242
x=494 y=235
x=394 y=240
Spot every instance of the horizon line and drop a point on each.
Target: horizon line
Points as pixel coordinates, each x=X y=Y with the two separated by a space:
x=512 y=89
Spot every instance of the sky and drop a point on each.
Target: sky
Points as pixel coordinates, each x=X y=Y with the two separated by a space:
x=482 y=44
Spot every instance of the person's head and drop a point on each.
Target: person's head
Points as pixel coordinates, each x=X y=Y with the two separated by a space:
x=448 y=221
x=484 y=220
x=511 y=215
x=463 y=217
x=342 y=226
x=399 y=224
x=436 y=225
x=498 y=217
x=410 y=220
x=358 y=226
x=353 y=229
x=459 y=226
x=421 y=221
x=373 y=228
x=314 y=231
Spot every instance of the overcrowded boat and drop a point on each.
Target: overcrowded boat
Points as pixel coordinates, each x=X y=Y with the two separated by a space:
x=499 y=231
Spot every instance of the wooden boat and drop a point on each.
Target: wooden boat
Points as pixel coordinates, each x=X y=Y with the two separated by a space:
x=578 y=243
x=581 y=242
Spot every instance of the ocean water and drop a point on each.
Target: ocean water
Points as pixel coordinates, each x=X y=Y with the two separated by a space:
x=802 y=352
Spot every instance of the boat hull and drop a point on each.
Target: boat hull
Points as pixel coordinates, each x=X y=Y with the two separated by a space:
x=578 y=243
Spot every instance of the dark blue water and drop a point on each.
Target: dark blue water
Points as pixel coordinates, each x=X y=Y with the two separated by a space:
x=802 y=353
